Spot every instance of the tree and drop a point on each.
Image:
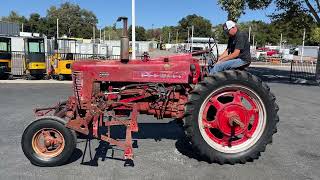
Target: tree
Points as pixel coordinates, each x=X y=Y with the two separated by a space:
x=236 y=8
x=113 y=32
x=168 y=32
x=264 y=33
x=292 y=18
x=315 y=35
x=73 y=21
x=202 y=26
x=37 y=24
x=153 y=34
x=15 y=18
x=140 y=33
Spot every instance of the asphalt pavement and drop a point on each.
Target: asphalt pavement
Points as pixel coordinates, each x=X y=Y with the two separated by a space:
x=161 y=151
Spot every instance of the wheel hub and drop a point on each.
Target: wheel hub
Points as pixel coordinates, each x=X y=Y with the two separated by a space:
x=232 y=116
x=48 y=143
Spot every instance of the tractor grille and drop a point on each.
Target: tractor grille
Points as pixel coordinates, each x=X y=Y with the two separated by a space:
x=77 y=82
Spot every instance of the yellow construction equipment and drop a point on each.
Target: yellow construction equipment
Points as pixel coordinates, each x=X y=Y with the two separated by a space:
x=35 y=59
x=5 y=57
x=62 y=59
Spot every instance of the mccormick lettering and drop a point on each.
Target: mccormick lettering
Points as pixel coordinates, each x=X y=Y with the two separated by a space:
x=162 y=75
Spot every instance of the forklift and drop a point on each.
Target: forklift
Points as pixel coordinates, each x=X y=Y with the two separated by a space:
x=5 y=57
x=62 y=59
x=35 y=60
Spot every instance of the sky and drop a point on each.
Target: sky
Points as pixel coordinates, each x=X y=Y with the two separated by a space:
x=149 y=13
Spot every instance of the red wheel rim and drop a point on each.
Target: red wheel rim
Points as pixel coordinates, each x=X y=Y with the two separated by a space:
x=232 y=118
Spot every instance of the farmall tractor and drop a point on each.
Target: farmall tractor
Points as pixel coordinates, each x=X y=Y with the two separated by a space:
x=229 y=117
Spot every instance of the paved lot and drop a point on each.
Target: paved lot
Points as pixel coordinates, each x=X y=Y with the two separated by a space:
x=162 y=153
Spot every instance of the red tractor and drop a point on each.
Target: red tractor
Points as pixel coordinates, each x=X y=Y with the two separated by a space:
x=229 y=117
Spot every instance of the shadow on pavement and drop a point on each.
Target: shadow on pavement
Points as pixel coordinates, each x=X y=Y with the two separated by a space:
x=77 y=154
x=284 y=76
x=157 y=131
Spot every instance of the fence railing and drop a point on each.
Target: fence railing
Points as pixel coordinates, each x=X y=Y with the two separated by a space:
x=18 y=58
x=303 y=70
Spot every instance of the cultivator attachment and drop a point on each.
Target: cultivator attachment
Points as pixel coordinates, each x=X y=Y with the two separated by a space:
x=100 y=124
x=131 y=125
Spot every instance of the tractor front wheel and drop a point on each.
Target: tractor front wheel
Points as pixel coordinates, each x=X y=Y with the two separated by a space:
x=231 y=117
x=47 y=142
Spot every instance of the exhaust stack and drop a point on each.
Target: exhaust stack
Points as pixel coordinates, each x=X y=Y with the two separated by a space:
x=124 y=54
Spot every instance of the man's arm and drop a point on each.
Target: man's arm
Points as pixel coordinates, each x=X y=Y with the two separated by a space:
x=233 y=55
x=223 y=55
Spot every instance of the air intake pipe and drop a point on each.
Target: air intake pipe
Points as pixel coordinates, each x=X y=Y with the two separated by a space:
x=124 y=54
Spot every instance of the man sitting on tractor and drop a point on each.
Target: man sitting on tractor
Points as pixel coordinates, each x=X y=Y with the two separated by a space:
x=237 y=54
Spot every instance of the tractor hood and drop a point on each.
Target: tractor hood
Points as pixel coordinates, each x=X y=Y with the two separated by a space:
x=170 y=69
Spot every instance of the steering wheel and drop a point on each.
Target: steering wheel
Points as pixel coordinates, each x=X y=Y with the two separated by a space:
x=210 y=57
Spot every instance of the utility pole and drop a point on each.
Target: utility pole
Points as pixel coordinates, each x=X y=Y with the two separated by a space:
x=192 y=31
x=280 y=42
x=100 y=36
x=169 y=39
x=318 y=67
x=152 y=33
x=22 y=27
x=57 y=28
x=302 y=51
x=133 y=29
x=253 y=41
x=94 y=34
x=104 y=35
x=188 y=35
x=177 y=37
x=250 y=35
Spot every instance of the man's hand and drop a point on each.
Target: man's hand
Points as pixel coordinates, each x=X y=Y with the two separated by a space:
x=234 y=55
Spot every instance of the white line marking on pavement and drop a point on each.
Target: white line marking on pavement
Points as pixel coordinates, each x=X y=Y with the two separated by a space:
x=22 y=81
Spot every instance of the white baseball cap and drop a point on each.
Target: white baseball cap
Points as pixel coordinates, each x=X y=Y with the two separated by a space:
x=229 y=25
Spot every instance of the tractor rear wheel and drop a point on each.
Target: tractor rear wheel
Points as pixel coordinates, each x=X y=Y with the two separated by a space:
x=231 y=117
x=47 y=142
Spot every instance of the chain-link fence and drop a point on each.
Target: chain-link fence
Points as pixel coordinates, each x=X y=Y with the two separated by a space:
x=18 y=60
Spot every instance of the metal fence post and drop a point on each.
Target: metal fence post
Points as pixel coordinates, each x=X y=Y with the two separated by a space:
x=318 y=67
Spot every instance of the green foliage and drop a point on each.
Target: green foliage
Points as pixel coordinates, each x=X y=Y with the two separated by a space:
x=264 y=33
x=236 y=8
x=73 y=21
x=315 y=35
x=153 y=34
x=202 y=27
x=112 y=32
x=168 y=31
x=140 y=33
x=292 y=18
x=36 y=24
x=14 y=17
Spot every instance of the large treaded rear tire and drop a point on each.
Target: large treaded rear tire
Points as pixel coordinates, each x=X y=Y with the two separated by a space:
x=198 y=97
